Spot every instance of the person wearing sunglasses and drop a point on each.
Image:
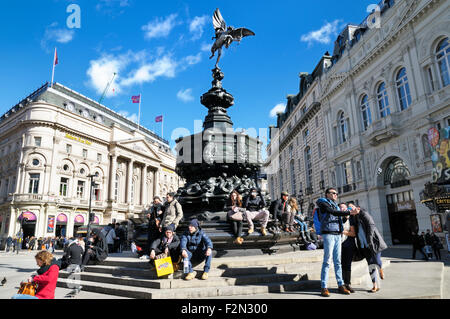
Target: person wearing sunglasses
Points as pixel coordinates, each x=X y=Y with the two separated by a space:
x=331 y=227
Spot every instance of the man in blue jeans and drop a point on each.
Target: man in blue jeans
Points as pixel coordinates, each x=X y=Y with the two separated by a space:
x=195 y=245
x=331 y=227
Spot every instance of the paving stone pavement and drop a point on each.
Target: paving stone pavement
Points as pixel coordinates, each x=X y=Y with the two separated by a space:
x=405 y=278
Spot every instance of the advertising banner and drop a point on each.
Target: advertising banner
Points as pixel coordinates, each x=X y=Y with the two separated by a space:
x=51 y=224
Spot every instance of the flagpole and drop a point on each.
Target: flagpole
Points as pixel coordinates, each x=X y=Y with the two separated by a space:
x=53 y=72
x=139 y=116
x=162 y=127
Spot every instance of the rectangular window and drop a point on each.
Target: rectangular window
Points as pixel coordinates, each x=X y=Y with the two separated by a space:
x=99 y=157
x=80 y=189
x=34 y=184
x=319 y=150
x=347 y=173
x=85 y=153
x=69 y=148
x=37 y=141
x=97 y=193
x=63 y=187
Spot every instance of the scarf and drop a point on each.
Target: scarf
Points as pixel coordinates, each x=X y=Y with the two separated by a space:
x=45 y=268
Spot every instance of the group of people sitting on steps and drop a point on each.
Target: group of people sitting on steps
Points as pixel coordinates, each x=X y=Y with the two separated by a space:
x=194 y=246
x=285 y=212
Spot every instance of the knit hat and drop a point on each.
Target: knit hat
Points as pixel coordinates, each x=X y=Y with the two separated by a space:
x=170 y=227
x=284 y=194
x=194 y=223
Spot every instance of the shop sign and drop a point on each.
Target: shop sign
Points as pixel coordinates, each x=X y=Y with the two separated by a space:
x=442 y=203
x=62 y=218
x=79 y=219
x=28 y=215
x=439 y=143
x=74 y=138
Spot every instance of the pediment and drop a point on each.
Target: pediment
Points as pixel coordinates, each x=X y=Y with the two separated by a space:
x=140 y=146
x=333 y=81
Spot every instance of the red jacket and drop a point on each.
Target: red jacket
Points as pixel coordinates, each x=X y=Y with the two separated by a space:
x=47 y=283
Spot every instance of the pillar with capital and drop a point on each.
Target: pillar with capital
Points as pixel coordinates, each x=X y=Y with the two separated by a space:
x=144 y=185
x=112 y=177
x=129 y=180
x=156 y=190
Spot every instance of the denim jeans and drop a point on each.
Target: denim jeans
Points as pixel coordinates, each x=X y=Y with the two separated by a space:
x=331 y=246
x=19 y=296
x=303 y=226
x=198 y=256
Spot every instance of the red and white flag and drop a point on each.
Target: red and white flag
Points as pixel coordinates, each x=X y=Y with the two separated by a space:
x=55 y=61
x=136 y=99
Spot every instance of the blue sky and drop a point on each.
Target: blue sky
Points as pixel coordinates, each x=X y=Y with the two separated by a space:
x=161 y=49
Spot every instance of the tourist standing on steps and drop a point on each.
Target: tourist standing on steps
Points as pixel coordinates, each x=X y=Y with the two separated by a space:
x=348 y=248
x=372 y=244
x=173 y=212
x=195 y=245
x=255 y=210
x=235 y=215
x=155 y=216
x=331 y=227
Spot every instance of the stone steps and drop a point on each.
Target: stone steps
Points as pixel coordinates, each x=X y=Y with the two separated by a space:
x=229 y=276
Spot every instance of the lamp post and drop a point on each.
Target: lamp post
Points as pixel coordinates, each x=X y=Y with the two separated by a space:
x=91 y=177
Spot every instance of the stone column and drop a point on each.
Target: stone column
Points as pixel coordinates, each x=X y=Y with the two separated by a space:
x=129 y=181
x=156 y=190
x=112 y=177
x=144 y=186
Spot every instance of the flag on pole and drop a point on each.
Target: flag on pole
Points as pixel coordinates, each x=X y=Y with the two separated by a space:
x=55 y=62
x=159 y=119
x=136 y=99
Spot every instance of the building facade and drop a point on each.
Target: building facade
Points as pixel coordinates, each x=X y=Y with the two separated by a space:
x=386 y=86
x=297 y=160
x=56 y=142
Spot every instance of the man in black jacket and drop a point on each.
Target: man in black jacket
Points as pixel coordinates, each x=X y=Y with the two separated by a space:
x=255 y=210
x=280 y=207
x=168 y=244
x=155 y=217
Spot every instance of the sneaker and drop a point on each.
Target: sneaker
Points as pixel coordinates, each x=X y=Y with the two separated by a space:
x=263 y=231
x=349 y=288
x=190 y=276
x=325 y=292
x=381 y=274
x=238 y=241
x=250 y=231
x=205 y=276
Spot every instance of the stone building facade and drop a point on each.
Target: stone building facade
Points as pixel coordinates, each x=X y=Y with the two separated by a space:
x=386 y=86
x=51 y=145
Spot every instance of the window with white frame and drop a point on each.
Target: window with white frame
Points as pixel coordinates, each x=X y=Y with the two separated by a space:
x=308 y=167
x=443 y=61
x=80 y=189
x=403 y=91
x=33 y=187
x=383 y=100
x=63 y=186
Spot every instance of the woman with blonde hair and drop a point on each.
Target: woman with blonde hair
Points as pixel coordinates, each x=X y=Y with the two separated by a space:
x=46 y=278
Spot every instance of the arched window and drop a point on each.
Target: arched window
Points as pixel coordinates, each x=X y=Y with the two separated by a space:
x=397 y=174
x=365 y=112
x=443 y=61
x=343 y=127
x=383 y=100
x=404 y=95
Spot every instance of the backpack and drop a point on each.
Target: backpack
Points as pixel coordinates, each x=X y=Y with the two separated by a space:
x=316 y=219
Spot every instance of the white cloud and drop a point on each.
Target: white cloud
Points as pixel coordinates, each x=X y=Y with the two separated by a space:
x=206 y=47
x=277 y=109
x=59 y=35
x=135 y=68
x=185 y=95
x=197 y=25
x=324 y=34
x=160 y=28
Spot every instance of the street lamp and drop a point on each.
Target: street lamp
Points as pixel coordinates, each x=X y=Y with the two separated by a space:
x=91 y=217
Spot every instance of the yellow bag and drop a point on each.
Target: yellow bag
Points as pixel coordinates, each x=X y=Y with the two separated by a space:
x=27 y=289
x=164 y=266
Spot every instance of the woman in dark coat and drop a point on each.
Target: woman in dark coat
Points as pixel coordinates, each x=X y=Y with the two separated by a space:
x=235 y=215
x=371 y=244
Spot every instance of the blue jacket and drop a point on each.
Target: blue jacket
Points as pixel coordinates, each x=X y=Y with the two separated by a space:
x=330 y=216
x=197 y=240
